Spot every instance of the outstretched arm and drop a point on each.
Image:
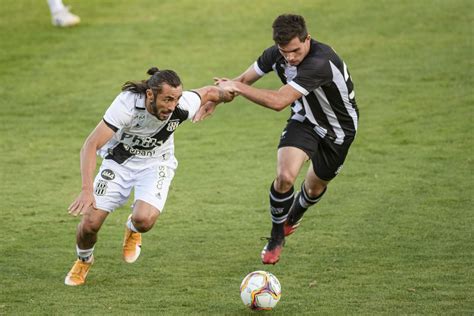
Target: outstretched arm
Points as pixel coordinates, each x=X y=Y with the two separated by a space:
x=214 y=94
x=99 y=136
x=249 y=76
x=273 y=99
x=211 y=96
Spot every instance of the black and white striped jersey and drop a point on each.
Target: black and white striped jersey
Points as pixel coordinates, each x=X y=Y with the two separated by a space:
x=328 y=102
x=140 y=136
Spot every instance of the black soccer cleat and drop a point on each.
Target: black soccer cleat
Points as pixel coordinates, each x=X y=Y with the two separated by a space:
x=293 y=221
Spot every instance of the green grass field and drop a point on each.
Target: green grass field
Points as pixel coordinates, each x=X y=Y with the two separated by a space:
x=394 y=234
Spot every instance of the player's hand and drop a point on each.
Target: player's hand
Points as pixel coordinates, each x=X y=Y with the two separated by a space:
x=82 y=203
x=228 y=85
x=218 y=80
x=204 y=111
x=226 y=95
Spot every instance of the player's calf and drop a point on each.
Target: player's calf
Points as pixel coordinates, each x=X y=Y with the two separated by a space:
x=279 y=205
x=300 y=205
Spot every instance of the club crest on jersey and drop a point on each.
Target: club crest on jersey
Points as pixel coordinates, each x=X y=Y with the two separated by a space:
x=290 y=72
x=101 y=188
x=107 y=174
x=172 y=125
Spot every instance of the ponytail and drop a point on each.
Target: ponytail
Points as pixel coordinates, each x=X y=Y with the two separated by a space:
x=152 y=71
x=156 y=81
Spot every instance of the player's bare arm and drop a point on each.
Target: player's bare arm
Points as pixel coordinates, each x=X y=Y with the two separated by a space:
x=275 y=100
x=249 y=76
x=214 y=94
x=211 y=96
x=99 y=136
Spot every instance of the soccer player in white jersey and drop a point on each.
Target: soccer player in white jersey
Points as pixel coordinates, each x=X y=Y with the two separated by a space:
x=135 y=140
x=322 y=124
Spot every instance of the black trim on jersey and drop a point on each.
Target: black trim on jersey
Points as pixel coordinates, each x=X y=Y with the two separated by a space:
x=196 y=93
x=135 y=104
x=120 y=153
x=112 y=127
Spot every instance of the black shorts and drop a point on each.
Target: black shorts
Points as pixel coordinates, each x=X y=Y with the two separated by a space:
x=326 y=156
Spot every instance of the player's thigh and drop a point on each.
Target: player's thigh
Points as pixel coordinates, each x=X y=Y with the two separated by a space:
x=289 y=162
x=298 y=142
x=112 y=186
x=329 y=159
x=152 y=186
x=93 y=219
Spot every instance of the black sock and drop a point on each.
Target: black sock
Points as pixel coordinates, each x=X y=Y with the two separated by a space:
x=301 y=204
x=280 y=204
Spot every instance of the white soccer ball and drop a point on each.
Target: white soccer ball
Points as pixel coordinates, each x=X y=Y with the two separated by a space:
x=260 y=290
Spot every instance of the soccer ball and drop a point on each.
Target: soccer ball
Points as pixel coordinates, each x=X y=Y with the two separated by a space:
x=260 y=290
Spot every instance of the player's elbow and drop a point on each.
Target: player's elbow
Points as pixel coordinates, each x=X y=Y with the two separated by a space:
x=279 y=106
x=86 y=147
x=89 y=145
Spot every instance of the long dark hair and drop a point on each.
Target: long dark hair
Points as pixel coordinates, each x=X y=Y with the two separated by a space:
x=156 y=81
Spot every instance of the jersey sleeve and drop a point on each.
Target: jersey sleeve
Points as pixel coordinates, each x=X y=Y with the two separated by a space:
x=119 y=114
x=190 y=102
x=312 y=74
x=265 y=62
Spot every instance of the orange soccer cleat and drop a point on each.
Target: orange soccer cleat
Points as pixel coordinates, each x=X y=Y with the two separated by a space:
x=132 y=244
x=78 y=273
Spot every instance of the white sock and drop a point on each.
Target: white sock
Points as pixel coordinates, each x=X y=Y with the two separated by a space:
x=55 y=6
x=130 y=226
x=84 y=254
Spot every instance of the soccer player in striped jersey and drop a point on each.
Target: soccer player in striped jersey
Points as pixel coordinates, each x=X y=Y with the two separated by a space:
x=322 y=124
x=135 y=140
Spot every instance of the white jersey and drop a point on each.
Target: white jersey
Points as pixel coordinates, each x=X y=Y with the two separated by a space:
x=140 y=138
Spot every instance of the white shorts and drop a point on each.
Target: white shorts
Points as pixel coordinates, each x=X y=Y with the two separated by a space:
x=113 y=185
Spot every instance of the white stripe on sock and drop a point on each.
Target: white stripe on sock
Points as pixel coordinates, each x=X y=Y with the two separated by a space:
x=84 y=254
x=279 y=220
x=130 y=225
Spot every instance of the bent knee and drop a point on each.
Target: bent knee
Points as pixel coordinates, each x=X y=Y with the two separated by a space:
x=284 y=182
x=315 y=190
x=144 y=223
x=88 y=226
